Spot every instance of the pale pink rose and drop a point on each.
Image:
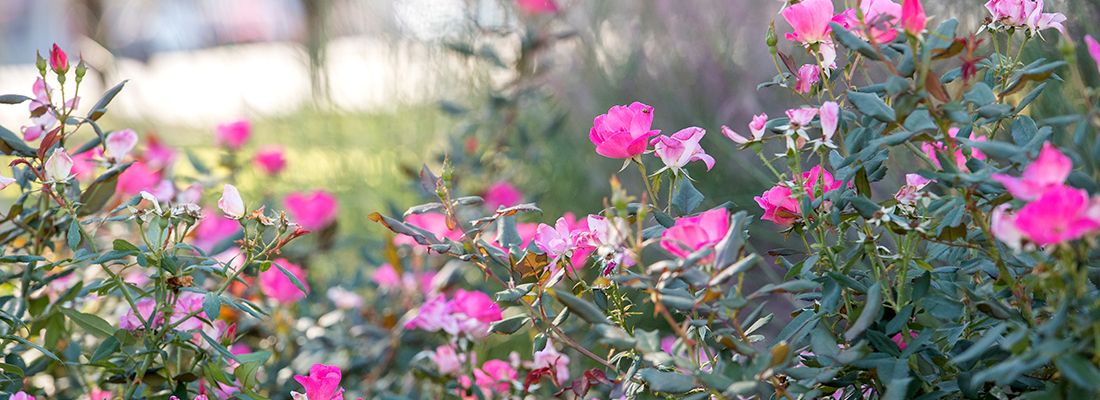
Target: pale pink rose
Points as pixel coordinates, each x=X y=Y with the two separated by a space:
x=323 y=383
x=163 y=191
x=432 y=222
x=495 y=376
x=501 y=194
x=314 y=211
x=606 y=237
x=880 y=16
x=555 y=240
x=537 y=7
x=808 y=76
x=624 y=131
x=801 y=116
x=270 y=160
x=191 y=195
x=1048 y=171
x=120 y=143
x=145 y=307
x=549 y=357
x=909 y=192
x=960 y=158
x=84 y=164
x=1058 y=215
x=1025 y=13
x=913 y=18
x=278 y=286
x=1094 y=50
x=829 y=112
x=810 y=20
x=59 y=167
x=213 y=229
x=187 y=304
x=157 y=155
x=344 y=299
x=136 y=179
x=447 y=360
x=681 y=148
x=231 y=203
x=433 y=315
x=691 y=234
x=233 y=134
x=5 y=181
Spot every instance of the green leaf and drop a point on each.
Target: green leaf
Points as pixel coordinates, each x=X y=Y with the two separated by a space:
x=100 y=191
x=293 y=279
x=250 y=364
x=823 y=343
x=988 y=339
x=11 y=369
x=14 y=146
x=1079 y=370
x=853 y=42
x=105 y=349
x=509 y=326
x=943 y=308
x=995 y=111
x=865 y=206
x=615 y=337
x=123 y=245
x=218 y=346
x=91 y=323
x=212 y=305
x=35 y=346
x=869 y=314
x=113 y=255
x=897 y=389
x=73 y=236
x=687 y=197
x=664 y=219
x=872 y=105
x=13 y=99
x=516 y=293
x=668 y=382
x=863 y=187
x=583 y=308
x=100 y=106
x=980 y=95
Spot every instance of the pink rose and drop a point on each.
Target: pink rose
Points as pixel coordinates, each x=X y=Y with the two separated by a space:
x=1048 y=171
x=913 y=184
x=313 y=211
x=447 y=360
x=84 y=164
x=278 y=286
x=808 y=76
x=756 y=127
x=59 y=61
x=779 y=204
x=501 y=193
x=136 y=179
x=1025 y=13
x=681 y=148
x=1003 y=225
x=231 y=203
x=1094 y=50
x=21 y=395
x=495 y=376
x=476 y=305
x=810 y=20
x=157 y=155
x=323 y=383
x=960 y=158
x=270 y=160
x=624 y=131
x=549 y=357
x=691 y=234
x=233 y=135
x=537 y=7
x=433 y=315
x=913 y=18
x=213 y=229
x=386 y=277
x=187 y=304
x=145 y=307
x=120 y=143
x=1058 y=215
x=344 y=299
x=829 y=112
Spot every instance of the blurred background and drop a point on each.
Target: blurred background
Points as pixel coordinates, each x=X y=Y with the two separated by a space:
x=363 y=92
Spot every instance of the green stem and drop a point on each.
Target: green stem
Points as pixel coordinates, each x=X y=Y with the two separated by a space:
x=645 y=178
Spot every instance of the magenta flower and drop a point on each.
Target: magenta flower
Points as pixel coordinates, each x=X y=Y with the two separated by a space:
x=233 y=135
x=187 y=304
x=495 y=376
x=213 y=229
x=808 y=76
x=1058 y=215
x=21 y=395
x=756 y=127
x=1094 y=50
x=900 y=340
x=468 y=313
x=157 y=155
x=59 y=167
x=435 y=314
x=270 y=160
x=386 y=277
x=476 y=305
x=278 y=286
x=537 y=7
x=501 y=194
x=810 y=20
x=313 y=211
x=84 y=164
x=231 y=203
x=624 y=131
x=120 y=143
x=136 y=179
x=59 y=61
x=1048 y=171
x=323 y=383
x=779 y=205
x=691 y=234
x=555 y=240
x=1003 y=225
x=960 y=158
x=682 y=148
x=913 y=18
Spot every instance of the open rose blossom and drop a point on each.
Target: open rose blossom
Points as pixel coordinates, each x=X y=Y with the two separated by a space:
x=495 y=376
x=810 y=20
x=270 y=160
x=624 y=131
x=1059 y=215
x=960 y=158
x=5 y=181
x=681 y=148
x=909 y=193
x=136 y=179
x=501 y=194
x=1025 y=13
x=549 y=357
x=277 y=285
x=213 y=229
x=233 y=135
x=323 y=383
x=1048 y=171
x=120 y=143
x=468 y=313
x=779 y=203
x=313 y=211
x=21 y=395
x=691 y=234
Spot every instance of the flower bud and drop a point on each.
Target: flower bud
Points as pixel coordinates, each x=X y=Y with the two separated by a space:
x=771 y=39
x=59 y=61
x=231 y=203
x=59 y=166
x=81 y=69
x=41 y=64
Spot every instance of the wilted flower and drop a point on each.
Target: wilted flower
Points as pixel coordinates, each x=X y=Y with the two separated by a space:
x=313 y=211
x=624 y=131
x=808 y=76
x=233 y=134
x=276 y=285
x=913 y=184
x=798 y=120
x=231 y=203
x=59 y=167
x=270 y=160
x=681 y=148
x=1048 y=171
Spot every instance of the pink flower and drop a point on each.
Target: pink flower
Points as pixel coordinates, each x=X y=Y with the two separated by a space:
x=386 y=277
x=59 y=61
x=495 y=376
x=231 y=203
x=555 y=240
x=830 y=119
x=801 y=116
x=960 y=158
x=756 y=127
x=682 y=148
x=163 y=191
x=537 y=7
x=447 y=360
x=913 y=184
x=913 y=18
x=624 y=131
x=95 y=394
x=344 y=299
x=1025 y=13
x=782 y=208
x=21 y=395
x=1094 y=50
x=691 y=234
x=120 y=143
x=191 y=195
x=323 y=383
x=233 y=134
x=881 y=16
x=157 y=155
x=900 y=340
x=1048 y=171
x=1003 y=226
x=59 y=167
x=313 y=211
x=145 y=307
x=135 y=179
x=435 y=314
x=810 y=20
x=808 y=76
x=270 y=160
x=501 y=193
x=606 y=237
x=432 y=222
x=5 y=181
x=84 y=164
x=468 y=313
x=278 y=286
x=187 y=304
x=476 y=305
x=213 y=229
x=549 y=357
x=1060 y=214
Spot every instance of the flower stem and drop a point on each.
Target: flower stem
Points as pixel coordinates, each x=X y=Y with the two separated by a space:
x=645 y=178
